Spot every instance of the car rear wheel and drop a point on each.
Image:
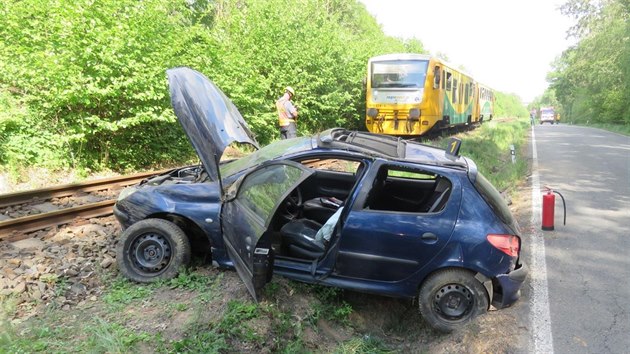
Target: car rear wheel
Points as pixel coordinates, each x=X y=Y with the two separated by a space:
x=151 y=250
x=451 y=298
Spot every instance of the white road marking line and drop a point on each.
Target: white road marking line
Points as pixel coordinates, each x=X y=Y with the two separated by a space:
x=540 y=320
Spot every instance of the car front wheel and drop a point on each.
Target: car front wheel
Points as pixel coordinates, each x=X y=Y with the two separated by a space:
x=151 y=250
x=451 y=298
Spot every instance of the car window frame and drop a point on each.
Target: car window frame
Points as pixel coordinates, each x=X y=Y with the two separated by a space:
x=367 y=185
x=237 y=187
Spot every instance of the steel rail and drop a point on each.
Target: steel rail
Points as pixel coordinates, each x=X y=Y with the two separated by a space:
x=16 y=229
x=70 y=189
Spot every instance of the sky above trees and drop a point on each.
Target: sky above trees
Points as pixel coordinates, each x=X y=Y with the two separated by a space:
x=508 y=45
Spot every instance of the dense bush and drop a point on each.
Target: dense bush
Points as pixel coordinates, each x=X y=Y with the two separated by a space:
x=92 y=76
x=83 y=84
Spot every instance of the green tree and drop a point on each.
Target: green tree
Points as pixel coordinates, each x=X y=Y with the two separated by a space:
x=509 y=105
x=592 y=79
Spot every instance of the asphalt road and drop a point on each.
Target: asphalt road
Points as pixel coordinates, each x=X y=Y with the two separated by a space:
x=588 y=259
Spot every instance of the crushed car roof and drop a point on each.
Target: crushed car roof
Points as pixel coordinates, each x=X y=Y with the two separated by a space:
x=387 y=147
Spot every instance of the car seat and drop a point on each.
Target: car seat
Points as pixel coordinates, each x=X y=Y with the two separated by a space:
x=308 y=239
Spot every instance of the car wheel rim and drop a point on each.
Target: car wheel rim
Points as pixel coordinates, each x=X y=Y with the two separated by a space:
x=151 y=253
x=453 y=301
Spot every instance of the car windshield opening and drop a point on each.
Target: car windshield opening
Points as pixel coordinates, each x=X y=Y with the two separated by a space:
x=266 y=153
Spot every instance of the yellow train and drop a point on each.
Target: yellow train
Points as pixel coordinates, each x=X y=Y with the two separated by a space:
x=410 y=94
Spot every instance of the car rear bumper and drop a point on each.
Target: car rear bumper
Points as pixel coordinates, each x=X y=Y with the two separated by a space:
x=510 y=284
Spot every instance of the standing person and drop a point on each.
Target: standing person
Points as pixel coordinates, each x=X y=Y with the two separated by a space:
x=287 y=114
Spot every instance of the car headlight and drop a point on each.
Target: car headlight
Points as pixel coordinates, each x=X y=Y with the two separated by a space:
x=126 y=192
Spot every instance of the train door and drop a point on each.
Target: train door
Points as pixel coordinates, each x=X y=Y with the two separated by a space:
x=456 y=99
x=448 y=99
x=475 y=103
x=432 y=106
x=468 y=100
x=441 y=107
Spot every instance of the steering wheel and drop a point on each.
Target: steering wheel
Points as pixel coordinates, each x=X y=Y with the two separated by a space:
x=292 y=205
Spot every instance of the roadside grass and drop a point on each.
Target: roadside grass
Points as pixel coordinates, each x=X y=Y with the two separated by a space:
x=54 y=332
x=104 y=328
x=112 y=337
x=270 y=324
x=287 y=329
x=112 y=324
x=331 y=305
x=233 y=327
x=623 y=129
x=365 y=344
x=123 y=292
x=489 y=146
x=41 y=335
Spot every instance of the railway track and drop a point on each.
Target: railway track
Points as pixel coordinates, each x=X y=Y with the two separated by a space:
x=17 y=228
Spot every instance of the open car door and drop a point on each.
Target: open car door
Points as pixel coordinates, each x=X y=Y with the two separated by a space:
x=245 y=219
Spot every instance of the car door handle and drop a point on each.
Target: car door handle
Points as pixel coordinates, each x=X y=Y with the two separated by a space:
x=429 y=236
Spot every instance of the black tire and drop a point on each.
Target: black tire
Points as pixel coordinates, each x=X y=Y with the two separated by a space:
x=152 y=250
x=451 y=298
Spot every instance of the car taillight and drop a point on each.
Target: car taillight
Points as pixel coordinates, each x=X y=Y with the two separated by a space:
x=509 y=244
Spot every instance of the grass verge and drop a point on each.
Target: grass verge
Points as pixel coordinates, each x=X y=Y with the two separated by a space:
x=615 y=128
x=489 y=146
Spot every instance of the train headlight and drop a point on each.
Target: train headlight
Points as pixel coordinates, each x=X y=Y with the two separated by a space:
x=414 y=113
x=372 y=112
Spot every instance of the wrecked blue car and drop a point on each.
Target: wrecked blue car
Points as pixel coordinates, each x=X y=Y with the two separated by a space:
x=348 y=209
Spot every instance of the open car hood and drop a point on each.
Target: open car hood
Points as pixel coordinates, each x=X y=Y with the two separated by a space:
x=208 y=117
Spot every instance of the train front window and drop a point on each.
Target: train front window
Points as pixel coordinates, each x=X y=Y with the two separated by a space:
x=399 y=73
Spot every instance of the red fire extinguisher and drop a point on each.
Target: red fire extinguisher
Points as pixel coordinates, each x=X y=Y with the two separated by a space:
x=548 y=207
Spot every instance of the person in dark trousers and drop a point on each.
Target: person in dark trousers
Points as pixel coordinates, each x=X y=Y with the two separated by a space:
x=287 y=114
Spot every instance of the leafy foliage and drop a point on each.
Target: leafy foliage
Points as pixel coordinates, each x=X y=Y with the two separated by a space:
x=509 y=105
x=92 y=76
x=592 y=79
x=83 y=84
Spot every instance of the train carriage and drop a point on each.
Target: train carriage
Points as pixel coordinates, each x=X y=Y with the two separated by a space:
x=410 y=94
x=485 y=103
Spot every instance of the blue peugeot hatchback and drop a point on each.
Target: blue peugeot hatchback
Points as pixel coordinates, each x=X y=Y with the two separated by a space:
x=348 y=209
